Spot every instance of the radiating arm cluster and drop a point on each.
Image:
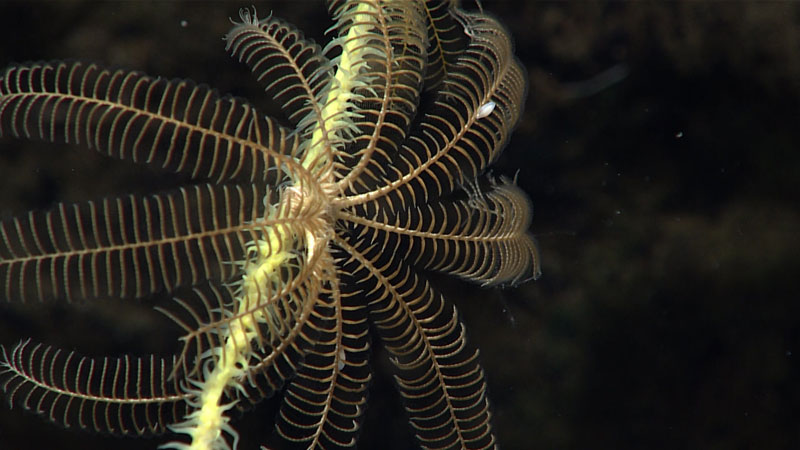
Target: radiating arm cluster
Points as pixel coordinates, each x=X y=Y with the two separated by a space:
x=293 y=241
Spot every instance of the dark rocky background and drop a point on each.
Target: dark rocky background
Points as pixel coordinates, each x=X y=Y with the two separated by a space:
x=660 y=149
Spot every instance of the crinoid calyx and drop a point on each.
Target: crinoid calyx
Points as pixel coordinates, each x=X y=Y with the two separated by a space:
x=295 y=239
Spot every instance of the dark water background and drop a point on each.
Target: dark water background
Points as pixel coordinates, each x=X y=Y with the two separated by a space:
x=661 y=149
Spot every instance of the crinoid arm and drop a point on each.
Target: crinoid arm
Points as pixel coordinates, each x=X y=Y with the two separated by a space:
x=482 y=238
x=457 y=138
x=122 y=396
x=446 y=41
x=129 y=247
x=437 y=373
x=174 y=125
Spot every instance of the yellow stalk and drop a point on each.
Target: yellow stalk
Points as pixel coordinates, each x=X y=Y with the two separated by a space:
x=344 y=83
x=207 y=424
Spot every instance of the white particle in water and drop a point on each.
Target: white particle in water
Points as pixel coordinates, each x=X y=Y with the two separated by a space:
x=485 y=110
x=341 y=359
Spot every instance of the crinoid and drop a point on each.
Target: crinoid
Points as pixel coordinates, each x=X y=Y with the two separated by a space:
x=294 y=241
